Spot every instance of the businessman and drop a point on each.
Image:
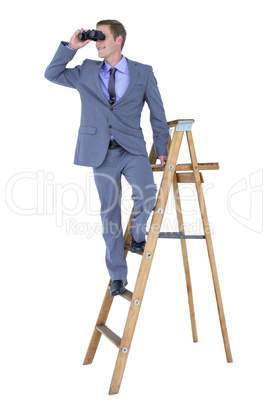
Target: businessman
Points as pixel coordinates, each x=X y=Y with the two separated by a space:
x=110 y=139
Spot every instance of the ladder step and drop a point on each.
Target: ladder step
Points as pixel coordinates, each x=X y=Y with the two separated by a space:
x=127 y=247
x=188 y=177
x=127 y=295
x=178 y=235
x=115 y=339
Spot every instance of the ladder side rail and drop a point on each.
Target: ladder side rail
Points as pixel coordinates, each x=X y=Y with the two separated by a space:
x=211 y=255
x=102 y=318
x=185 y=258
x=146 y=263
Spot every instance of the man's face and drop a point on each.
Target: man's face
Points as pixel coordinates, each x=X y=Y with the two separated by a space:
x=108 y=47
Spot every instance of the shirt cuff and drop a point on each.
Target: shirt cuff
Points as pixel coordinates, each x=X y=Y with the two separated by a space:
x=69 y=47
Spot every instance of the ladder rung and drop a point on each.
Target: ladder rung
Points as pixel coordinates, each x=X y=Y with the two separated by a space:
x=127 y=246
x=127 y=295
x=115 y=339
x=178 y=235
x=188 y=177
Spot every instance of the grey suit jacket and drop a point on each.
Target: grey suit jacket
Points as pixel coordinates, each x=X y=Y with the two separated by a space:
x=99 y=119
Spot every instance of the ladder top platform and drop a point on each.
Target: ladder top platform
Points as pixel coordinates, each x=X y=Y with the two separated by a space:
x=175 y=122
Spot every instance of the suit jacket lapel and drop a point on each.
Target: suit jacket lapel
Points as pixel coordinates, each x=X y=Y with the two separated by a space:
x=133 y=69
x=96 y=81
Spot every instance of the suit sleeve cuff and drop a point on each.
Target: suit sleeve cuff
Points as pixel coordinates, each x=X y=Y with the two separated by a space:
x=161 y=150
x=66 y=45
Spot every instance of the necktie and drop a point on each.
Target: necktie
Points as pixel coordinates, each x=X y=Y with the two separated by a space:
x=111 y=86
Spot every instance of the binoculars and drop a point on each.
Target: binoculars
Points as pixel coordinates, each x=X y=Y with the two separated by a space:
x=91 y=34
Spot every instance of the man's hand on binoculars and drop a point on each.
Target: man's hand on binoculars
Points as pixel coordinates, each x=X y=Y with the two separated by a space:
x=75 y=43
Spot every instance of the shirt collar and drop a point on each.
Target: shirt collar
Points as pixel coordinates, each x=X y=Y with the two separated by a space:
x=120 y=66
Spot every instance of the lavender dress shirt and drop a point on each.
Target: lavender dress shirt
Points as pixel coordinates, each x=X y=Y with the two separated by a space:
x=121 y=78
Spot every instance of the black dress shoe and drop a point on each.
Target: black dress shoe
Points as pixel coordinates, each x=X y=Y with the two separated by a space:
x=118 y=287
x=136 y=247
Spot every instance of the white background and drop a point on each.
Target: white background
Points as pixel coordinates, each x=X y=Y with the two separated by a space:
x=210 y=61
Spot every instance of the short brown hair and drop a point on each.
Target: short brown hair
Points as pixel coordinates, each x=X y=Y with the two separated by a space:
x=116 y=29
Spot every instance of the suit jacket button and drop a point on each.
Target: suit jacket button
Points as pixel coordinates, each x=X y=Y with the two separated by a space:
x=110 y=126
x=111 y=108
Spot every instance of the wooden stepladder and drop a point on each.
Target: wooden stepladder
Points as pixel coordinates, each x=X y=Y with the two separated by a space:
x=190 y=174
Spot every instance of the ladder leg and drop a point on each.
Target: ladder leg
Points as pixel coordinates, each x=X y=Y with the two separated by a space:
x=146 y=263
x=103 y=315
x=185 y=258
x=124 y=349
x=209 y=246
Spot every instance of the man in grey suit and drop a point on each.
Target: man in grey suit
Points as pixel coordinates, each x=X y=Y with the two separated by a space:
x=110 y=140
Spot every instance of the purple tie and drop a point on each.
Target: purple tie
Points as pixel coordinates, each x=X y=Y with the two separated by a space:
x=111 y=86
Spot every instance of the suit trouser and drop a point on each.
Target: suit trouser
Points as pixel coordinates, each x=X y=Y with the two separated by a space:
x=138 y=172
